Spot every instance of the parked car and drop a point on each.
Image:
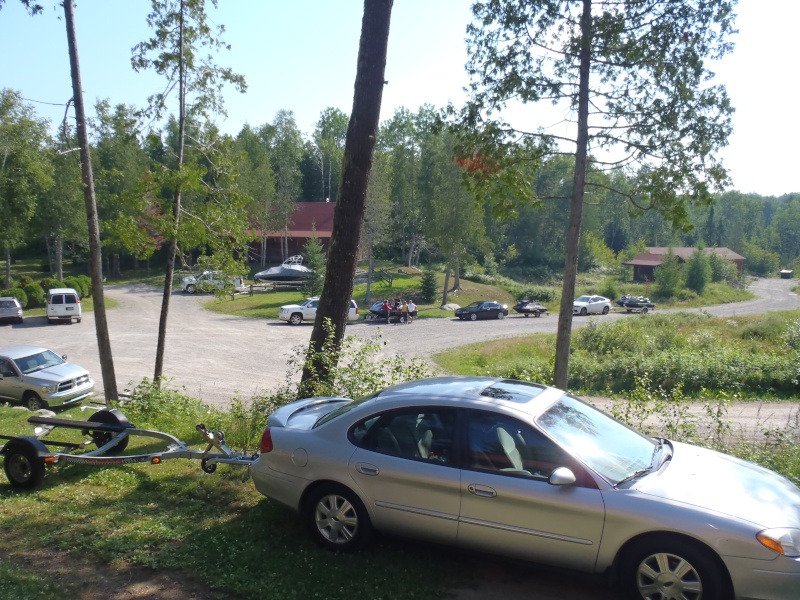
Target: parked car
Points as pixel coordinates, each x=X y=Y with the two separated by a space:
x=209 y=281
x=10 y=309
x=587 y=305
x=307 y=311
x=484 y=309
x=40 y=378
x=530 y=472
x=63 y=304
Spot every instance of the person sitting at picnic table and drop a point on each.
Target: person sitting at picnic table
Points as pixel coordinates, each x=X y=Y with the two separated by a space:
x=412 y=311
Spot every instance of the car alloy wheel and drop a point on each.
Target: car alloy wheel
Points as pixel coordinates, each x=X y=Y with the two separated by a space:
x=500 y=314
x=190 y=289
x=32 y=401
x=657 y=570
x=296 y=319
x=337 y=519
x=583 y=311
x=605 y=310
x=473 y=316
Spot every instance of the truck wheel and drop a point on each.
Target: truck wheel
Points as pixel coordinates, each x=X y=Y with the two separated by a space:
x=32 y=401
x=22 y=464
x=296 y=319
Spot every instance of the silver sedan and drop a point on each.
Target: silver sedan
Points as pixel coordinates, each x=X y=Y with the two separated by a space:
x=530 y=472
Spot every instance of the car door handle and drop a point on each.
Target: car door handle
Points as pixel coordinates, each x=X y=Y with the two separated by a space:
x=481 y=490
x=367 y=469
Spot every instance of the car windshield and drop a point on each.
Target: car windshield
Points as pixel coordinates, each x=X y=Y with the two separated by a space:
x=583 y=298
x=37 y=362
x=609 y=447
x=307 y=301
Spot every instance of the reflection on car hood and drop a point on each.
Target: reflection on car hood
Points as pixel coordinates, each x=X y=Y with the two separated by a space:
x=189 y=279
x=57 y=373
x=727 y=485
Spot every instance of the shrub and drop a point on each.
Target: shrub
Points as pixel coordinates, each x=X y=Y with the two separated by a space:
x=18 y=293
x=24 y=281
x=698 y=272
x=36 y=295
x=668 y=276
x=610 y=289
x=86 y=282
x=50 y=283
x=76 y=284
x=792 y=335
x=537 y=295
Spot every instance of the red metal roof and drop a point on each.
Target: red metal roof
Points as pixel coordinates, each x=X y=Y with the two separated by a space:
x=309 y=218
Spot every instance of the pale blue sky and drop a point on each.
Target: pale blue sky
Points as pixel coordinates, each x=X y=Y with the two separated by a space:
x=301 y=55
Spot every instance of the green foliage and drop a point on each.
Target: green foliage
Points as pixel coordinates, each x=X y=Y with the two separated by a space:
x=51 y=283
x=538 y=294
x=17 y=293
x=24 y=281
x=792 y=335
x=354 y=370
x=721 y=269
x=315 y=260
x=610 y=289
x=36 y=295
x=86 y=285
x=668 y=276
x=78 y=284
x=698 y=272
x=761 y=262
x=428 y=287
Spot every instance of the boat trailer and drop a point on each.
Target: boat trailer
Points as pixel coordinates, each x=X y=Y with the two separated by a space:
x=25 y=457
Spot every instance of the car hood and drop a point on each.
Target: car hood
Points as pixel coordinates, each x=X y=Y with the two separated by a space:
x=57 y=373
x=290 y=306
x=190 y=279
x=727 y=485
x=576 y=303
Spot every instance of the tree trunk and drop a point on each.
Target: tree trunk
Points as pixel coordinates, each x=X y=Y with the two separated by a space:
x=369 y=276
x=350 y=208
x=8 y=266
x=457 y=274
x=446 y=285
x=95 y=254
x=176 y=217
x=59 y=254
x=564 y=333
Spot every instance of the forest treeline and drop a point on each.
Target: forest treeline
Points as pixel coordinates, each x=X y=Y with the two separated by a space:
x=420 y=211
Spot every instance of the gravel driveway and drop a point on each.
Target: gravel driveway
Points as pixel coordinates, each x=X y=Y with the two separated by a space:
x=218 y=357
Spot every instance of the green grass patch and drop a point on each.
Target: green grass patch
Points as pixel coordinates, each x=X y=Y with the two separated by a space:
x=755 y=356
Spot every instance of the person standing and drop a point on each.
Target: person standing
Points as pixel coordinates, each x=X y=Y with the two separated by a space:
x=412 y=311
x=404 y=313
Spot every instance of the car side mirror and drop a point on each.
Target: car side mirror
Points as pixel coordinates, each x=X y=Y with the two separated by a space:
x=562 y=476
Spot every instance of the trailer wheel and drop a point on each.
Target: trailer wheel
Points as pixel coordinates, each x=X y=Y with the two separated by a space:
x=101 y=438
x=23 y=465
x=207 y=468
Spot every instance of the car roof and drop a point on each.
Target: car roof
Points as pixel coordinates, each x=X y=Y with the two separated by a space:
x=13 y=352
x=474 y=392
x=62 y=291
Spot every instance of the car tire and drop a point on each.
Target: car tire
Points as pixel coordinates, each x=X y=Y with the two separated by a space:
x=337 y=519
x=296 y=319
x=605 y=310
x=650 y=568
x=22 y=464
x=32 y=401
x=190 y=289
x=500 y=314
x=473 y=316
x=101 y=438
x=583 y=311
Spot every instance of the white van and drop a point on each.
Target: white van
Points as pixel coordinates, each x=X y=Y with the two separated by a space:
x=63 y=304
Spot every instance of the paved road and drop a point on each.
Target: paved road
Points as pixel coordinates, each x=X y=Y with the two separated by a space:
x=219 y=357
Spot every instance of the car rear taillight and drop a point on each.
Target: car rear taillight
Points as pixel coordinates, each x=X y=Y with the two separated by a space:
x=356 y=311
x=266 y=441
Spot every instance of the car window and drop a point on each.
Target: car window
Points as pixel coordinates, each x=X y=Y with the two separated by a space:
x=70 y=299
x=57 y=299
x=505 y=445
x=6 y=370
x=609 y=447
x=414 y=433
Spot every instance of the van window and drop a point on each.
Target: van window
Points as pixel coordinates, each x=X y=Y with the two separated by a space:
x=70 y=299
x=57 y=299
